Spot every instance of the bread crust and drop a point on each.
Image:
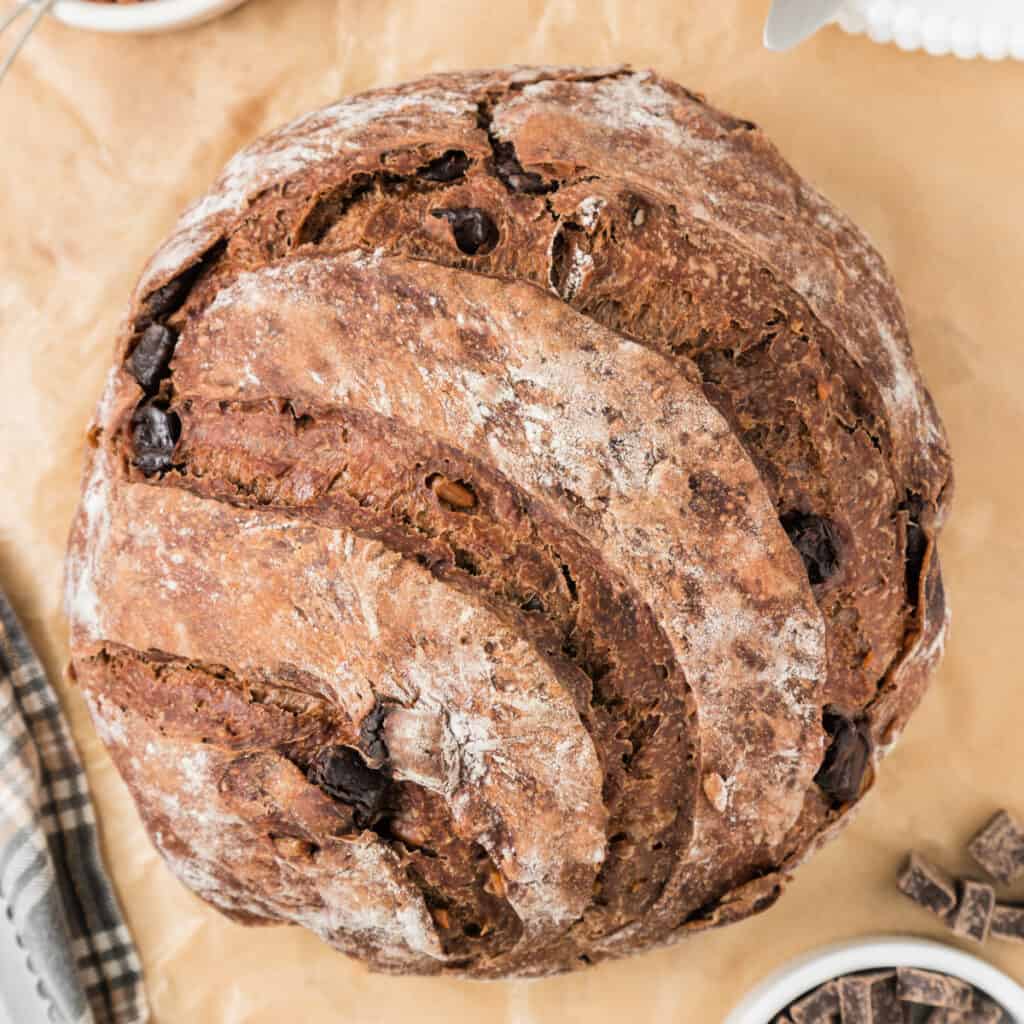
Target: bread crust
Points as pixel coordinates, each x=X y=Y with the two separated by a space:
x=450 y=601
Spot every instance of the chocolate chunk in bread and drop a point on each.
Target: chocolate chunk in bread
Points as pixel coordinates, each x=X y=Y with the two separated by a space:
x=847 y=759
x=343 y=774
x=916 y=547
x=511 y=172
x=372 y=735
x=973 y=915
x=999 y=848
x=449 y=166
x=151 y=356
x=816 y=540
x=474 y=230
x=927 y=885
x=155 y=432
x=166 y=299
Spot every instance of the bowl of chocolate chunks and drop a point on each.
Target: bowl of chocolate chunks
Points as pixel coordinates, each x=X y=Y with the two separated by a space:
x=895 y=980
x=885 y=980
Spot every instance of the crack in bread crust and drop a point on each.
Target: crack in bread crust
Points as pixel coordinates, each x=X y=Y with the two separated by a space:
x=668 y=222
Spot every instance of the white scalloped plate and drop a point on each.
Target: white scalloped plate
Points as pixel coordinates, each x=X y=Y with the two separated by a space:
x=150 y=16
x=993 y=29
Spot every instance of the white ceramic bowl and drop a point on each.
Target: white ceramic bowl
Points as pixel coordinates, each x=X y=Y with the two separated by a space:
x=774 y=994
x=150 y=16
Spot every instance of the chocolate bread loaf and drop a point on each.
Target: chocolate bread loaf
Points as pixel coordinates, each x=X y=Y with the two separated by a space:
x=508 y=539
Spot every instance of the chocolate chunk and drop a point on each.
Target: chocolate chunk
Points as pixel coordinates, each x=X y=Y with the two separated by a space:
x=927 y=885
x=152 y=355
x=999 y=848
x=513 y=176
x=343 y=774
x=371 y=736
x=818 y=1007
x=167 y=299
x=1008 y=922
x=932 y=989
x=474 y=231
x=842 y=772
x=155 y=432
x=865 y=999
x=855 y=999
x=817 y=542
x=973 y=915
x=986 y=1011
x=886 y=1007
x=935 y=589
x=983 y=1011
x=449 y=166
x=917 y=545
x=904 y=996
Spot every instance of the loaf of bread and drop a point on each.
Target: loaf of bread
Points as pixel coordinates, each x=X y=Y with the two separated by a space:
x=508 y=539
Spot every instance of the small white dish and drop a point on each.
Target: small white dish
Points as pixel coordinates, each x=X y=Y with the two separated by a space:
x=147 y=16
x=776 y=992
x=993 y=29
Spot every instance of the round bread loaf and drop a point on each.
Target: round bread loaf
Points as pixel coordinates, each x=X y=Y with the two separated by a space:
x=508 y=538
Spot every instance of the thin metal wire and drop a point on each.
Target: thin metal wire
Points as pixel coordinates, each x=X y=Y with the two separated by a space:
x=41 y=7
x=16 y=12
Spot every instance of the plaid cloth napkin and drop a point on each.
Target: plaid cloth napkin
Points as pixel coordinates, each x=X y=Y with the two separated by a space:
x=63 y=943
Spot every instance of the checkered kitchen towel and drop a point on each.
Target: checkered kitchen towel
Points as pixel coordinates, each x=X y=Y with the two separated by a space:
x=65 y=953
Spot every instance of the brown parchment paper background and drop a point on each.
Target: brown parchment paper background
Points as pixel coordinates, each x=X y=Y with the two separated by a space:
x=105 y=139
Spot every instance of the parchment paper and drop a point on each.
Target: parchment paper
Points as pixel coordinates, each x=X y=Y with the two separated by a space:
x=104 y=139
